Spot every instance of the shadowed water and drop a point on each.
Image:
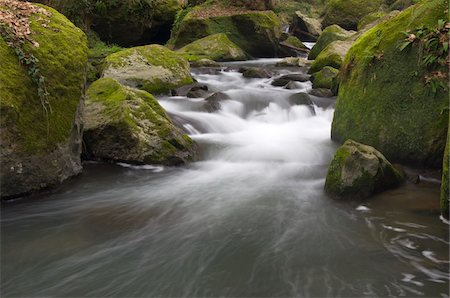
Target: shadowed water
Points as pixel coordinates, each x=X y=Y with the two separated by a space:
x=249 y=219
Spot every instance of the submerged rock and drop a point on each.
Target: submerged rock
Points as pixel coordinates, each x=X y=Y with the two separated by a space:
x=325 y=77
x=256 y=32
x=358 y=171
x=384 y=100
x=153 y=68
x=217 y=47
x=41 y=124
x=129 y=125
x=302 y=99
x=329 y=34
x=347 y=13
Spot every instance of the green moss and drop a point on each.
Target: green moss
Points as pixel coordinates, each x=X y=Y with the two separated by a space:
x=145 y=131
x=62 y=55
x=256 y=32
x=329 y=34
x=324 y=78
x=333 y=55
x=383 y=100
x=370 y=18
x=347 y=13
x=445 y=192
x=217 y=47
x=153 y=68
x=294 y=41
x=333 y=181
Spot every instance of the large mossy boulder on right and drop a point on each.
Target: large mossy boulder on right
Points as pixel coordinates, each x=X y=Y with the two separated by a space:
x=359 y=171
x=256 y=32
x=384 y=99
x=217 y=47
x=347 y=13
x=129 y=125
x=329 y=34
x=152 y=68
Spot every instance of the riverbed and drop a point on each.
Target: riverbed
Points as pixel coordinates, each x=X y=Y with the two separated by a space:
x=249 y=218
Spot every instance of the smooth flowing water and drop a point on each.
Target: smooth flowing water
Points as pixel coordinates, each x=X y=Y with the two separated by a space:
x=249 y=219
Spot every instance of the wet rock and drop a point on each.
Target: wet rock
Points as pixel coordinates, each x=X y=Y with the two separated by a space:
x=283 y=80
x=302 y=99
x=321 y=92
x=255 y=72
x=291 y=85
x=128 y=125
x=184 y=90
x=213 y=102
x=305 y=28
x=198 y=92
x=359 y=171
x=204 y=63
x=292 y=46
x=294 y=62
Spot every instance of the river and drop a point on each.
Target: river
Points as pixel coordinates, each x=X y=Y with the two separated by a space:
x=248 y=219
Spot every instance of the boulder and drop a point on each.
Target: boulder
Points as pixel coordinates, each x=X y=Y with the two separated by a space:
x=217 y=47
x=305 y=28
x=293 y=62
x=128 y=125
x=204 y=63
x=321 y=92
x=41 y=103
x=302 y=99
x=213 y=102
x=184 y=90
x=359 y=171
x=401 y=4
x=292 y=46
x=153 y=68
x=198 y=92
x=370 y=18
x=329 y=34
x=126 y=23
x=255 y=72
x=383 y=91
x=256 y=32
x=333 y=55
x=283 y=80
x=325 y=77
x=347 y=13
x=291 y=85
x=445 y=192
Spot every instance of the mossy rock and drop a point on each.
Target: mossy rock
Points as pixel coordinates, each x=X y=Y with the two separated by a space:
x=305 y=27
x=383 y=100
x=370 y=18
x=347 y=13
x=401 y=4
x=359 y=171
x=333 y=55
x=41 y=148
x=126 y=23
x=445 y=192
x=129 y=125
x=293 y=62
x=204 y=63
x=329 y=34
x=153 y=68
x=325 y=77
x=256 y=32
x=217 y=47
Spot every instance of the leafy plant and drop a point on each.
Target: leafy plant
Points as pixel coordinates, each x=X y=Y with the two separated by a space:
x=433 y=44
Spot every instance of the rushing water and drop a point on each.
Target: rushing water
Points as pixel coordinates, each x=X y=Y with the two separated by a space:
x=249 y=219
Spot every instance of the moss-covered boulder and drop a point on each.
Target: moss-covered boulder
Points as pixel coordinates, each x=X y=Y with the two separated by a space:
x=217 y=47
x=127 y=23
x=204 y=63
x=333 y=55
x=445 y=190
x=153 y=68
x=358 y=171
x=41 y=103
x=292 y=46
x=384 y=100
x=129 y=125
x=305 y=27
x=347 y=13
x=370 y=18
x=329 y=34
x=325 y=77
x=401 y=4
x=256 y=32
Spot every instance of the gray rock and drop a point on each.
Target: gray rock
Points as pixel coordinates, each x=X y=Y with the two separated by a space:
x=255 y=72
x=291 y=85
x=359 y=171
x=283 y=80
x=184 y=90
x=302 y=99
x=320 y=92
x=198 y=92
x=213 y=102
